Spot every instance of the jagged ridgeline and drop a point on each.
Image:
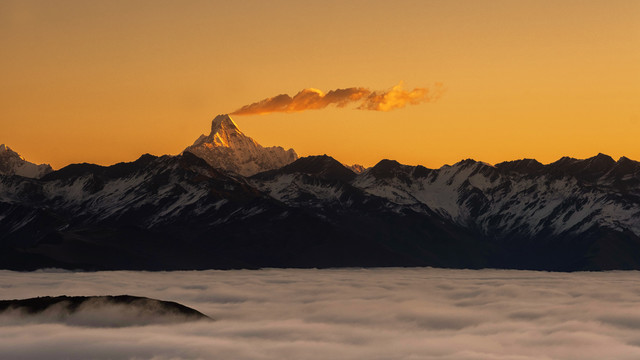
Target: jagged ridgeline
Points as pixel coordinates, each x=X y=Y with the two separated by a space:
x=227 y=202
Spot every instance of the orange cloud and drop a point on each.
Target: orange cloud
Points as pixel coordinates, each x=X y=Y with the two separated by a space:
x=313 y=99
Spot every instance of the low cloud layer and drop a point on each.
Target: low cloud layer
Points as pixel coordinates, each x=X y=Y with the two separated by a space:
x=345 y=314
x=364 y=99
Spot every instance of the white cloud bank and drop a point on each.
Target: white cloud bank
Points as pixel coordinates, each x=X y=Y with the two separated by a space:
x=344 y=314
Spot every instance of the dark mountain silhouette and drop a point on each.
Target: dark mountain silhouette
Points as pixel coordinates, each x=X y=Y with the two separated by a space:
x=98 y=310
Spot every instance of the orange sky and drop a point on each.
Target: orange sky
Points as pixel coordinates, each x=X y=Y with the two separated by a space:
x=106 y=81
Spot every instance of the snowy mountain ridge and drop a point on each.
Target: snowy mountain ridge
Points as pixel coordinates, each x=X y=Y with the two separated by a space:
x=11 y=163
x=508 y=199
x=501 y=202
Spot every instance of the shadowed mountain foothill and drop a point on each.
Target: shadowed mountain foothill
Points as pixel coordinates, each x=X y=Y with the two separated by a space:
x=97 y=311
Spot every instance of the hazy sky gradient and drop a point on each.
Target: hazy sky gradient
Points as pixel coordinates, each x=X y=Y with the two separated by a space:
x=107 y=81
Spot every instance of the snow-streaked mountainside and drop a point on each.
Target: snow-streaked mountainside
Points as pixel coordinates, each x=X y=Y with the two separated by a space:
x=512 y=199
x=182 y=212
x=228 y=148
x=11 y=163
x=519 y=198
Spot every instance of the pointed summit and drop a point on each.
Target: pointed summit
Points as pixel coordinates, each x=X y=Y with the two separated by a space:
x=7 y=151
x=11 y=163
x=228 y=148
x=224 y=133
x=223 y=122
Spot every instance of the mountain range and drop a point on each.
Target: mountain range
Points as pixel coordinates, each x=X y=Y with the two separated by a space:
x=227 y=202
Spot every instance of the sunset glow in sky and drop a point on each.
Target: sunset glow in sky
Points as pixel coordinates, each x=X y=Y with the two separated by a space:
x=106 y=81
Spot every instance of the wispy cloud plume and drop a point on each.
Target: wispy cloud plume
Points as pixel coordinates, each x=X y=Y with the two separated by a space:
x=365 y=99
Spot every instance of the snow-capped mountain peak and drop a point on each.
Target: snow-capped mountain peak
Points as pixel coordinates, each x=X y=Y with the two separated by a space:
x=224 y=133
x=7 y=151
x=223 y=122
x=11 y=163
x=228 y=148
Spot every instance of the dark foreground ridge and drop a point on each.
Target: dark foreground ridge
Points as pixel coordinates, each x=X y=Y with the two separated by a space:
x=180 y=213
x=136 y=310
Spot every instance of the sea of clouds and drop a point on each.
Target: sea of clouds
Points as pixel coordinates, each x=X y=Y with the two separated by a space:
x=415 y=313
